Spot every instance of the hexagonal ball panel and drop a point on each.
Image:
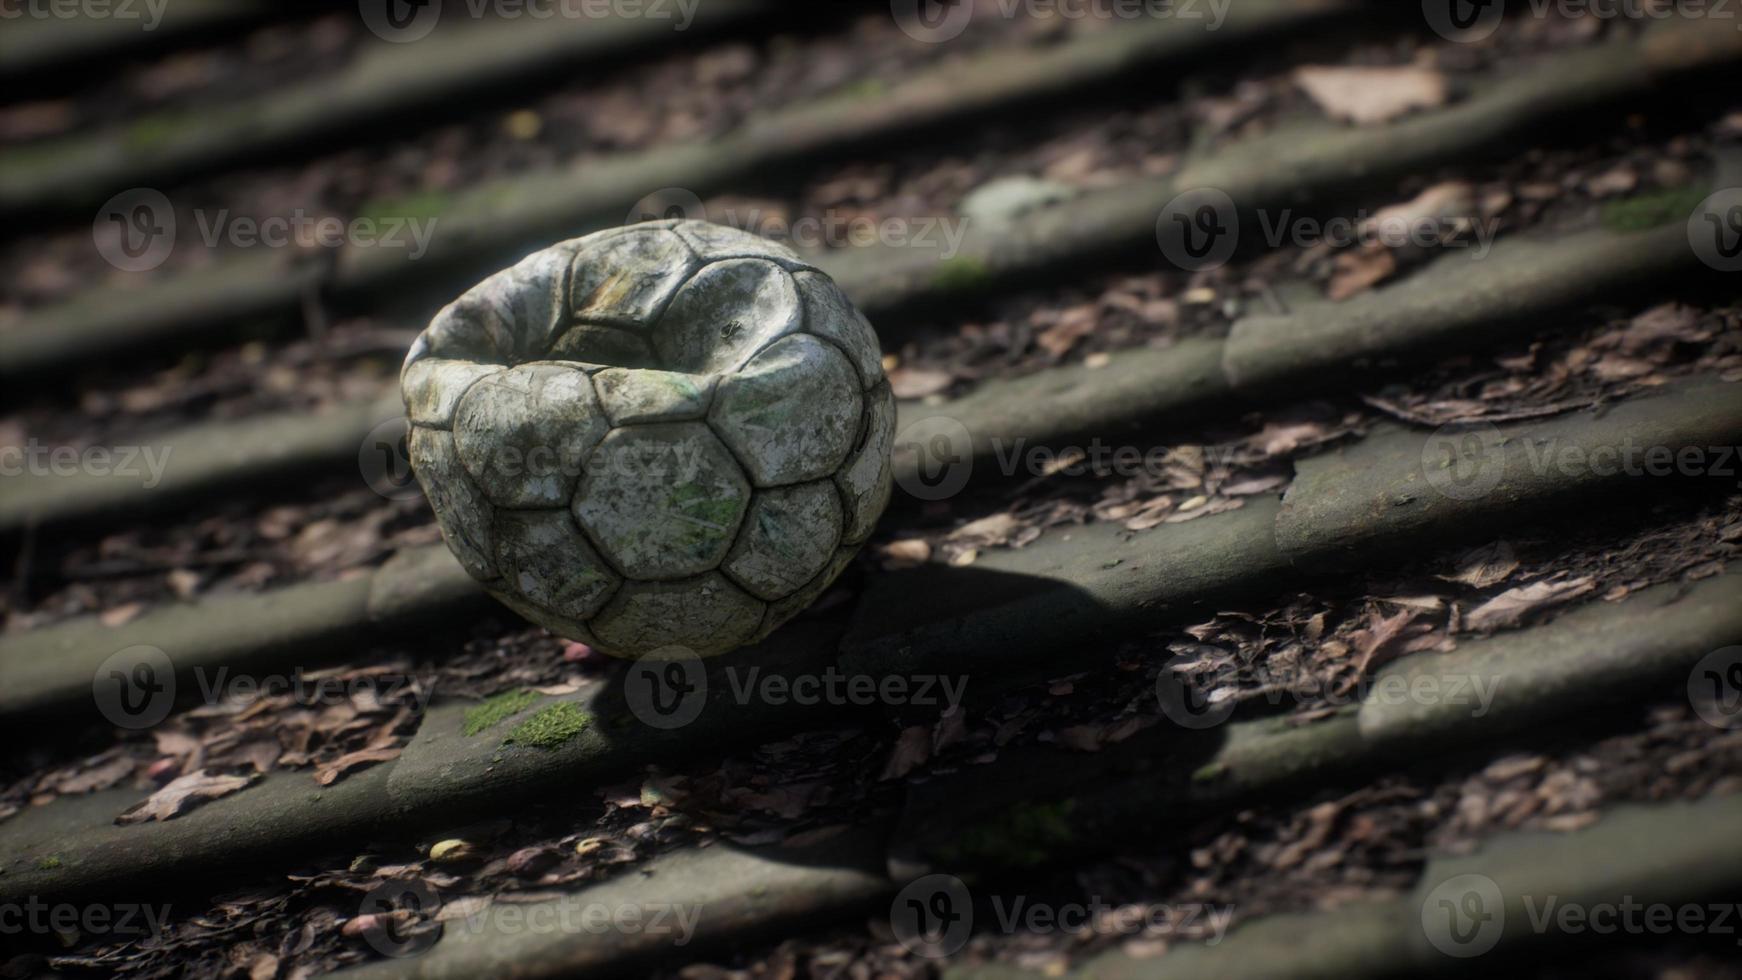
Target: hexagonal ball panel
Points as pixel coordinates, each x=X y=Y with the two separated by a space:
x=792 y=415
x=787 y=539
x=664 y=501
x=462 y=513
x=631 y=397
x=715 y=242
x=544 y=557
x=830 y=315
x=594 y=343
x=867 y=480
x=785 y=609
x=625 y=279
x=522 y=433
x=433 y=387
x=574 y=629
x=724 y=314
x=507 y=318
x=707 y=614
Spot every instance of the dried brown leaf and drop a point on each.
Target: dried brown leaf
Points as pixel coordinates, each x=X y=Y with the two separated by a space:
x=1512 y=606
x=908 y=382
x=183 y=795
x=911 y=750
x=331 y=772
x=906 y=553
x=1487 y=566
x=1359 y=270
x=1368 y=95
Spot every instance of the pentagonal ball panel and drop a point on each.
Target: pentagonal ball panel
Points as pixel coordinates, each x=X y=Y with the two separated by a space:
x=522 y=433
x=792 y=414
x=787 y=539
x=706 y=614
x=543 y=556
x=663 y=501
x=724 y=314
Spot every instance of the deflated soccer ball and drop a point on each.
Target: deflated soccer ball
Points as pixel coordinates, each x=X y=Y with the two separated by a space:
x=670 y=435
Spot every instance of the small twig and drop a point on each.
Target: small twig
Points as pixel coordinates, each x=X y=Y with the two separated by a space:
x=1413 y=417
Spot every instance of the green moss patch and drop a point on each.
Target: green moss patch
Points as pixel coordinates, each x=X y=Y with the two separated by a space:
x=1654 y=209
x=152 y=132
x=961 y=273
x=413 y=207
x=49 y=863
x=1020 y=837
x=497 y=709
x=870 y=88
x=1209 y=772
x=551 y=727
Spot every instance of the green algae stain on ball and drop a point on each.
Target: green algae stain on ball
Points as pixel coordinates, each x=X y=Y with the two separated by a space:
x=669 y=434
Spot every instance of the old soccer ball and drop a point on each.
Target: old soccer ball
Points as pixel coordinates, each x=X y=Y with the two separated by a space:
x=666 y=437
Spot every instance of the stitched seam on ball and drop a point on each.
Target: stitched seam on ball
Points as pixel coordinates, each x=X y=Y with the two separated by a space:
x=852 y=362
x=697 y=264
